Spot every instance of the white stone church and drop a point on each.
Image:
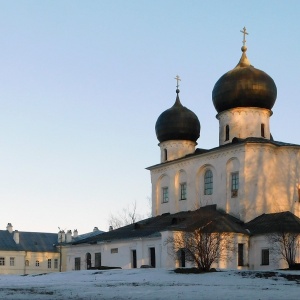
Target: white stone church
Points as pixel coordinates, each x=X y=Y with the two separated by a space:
x=249 y=185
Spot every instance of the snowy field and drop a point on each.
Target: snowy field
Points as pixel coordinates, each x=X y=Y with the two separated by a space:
x=152 y=284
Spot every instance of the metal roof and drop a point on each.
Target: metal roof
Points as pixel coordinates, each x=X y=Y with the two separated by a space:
x=28 y=241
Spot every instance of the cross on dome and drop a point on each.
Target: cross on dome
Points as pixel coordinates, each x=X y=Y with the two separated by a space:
x=244 y=32
x=177 y=79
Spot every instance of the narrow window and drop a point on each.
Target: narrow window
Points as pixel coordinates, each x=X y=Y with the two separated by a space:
x=265 y=257
x=165 y=194
x=37 y=263
x=49 y=263
x=183 y=191
x=240 y=254
x=2 y=261
x=165 y=154
x=208 y=182
x=133 y=259
x=12 y=261
x=55 y=263
x=234 y=184
x=262 y=130
x=227 y=133
x=27 y=263
x=77 y=263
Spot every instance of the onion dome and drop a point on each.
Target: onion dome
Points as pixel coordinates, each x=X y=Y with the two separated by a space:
x=177 y=123
x=244 y=86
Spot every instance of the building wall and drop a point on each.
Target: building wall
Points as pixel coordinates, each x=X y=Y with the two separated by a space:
x=272 y=178
x=269 y=181
x=21 y=267
x=122 y=257
x=221 y=162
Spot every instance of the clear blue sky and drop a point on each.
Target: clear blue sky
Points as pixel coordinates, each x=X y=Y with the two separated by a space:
x=82 y=84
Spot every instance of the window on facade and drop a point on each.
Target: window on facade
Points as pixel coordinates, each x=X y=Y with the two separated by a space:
x=49 y=263
x=262 y=130
x=240 y=254
x=234 y=184
x=27 y=263
x=55 y=263
x=165 y=154
x=265 y=257
x=11 y=261
x=2 y=261
x=227 y=133
x=183 y=188
x=165 y=194
x=37 y=263
x=77 y=263
x=208 y=182
x=114 y=250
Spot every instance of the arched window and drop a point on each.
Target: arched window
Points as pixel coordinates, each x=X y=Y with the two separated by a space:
x=208 y=182
x=227 y=133
x=262 y=130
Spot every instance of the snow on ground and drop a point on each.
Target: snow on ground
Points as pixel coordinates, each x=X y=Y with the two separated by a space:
x=151 y=284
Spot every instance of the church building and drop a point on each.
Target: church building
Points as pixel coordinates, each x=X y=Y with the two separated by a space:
x=249 y=185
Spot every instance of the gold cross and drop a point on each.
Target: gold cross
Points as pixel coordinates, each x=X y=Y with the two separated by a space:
x=244 y=32
x=177 y=79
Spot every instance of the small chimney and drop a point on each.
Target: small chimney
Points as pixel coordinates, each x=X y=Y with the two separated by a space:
x=75 y=233
x=95 y=229
x=9 y=228
x=16 y=237
x=63 y=236
x=110 y=228
x=69 y=236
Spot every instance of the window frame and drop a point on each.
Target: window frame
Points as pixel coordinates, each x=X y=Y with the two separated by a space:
x=235 y=183
x=37 y=263
x=11 y=261
x=262 y=130
x=241 y=252
x=49 y=263
x=55 y=263
x=265 y=260
x=165 y=194
x=183 y=191
x=227 y=133
x=2 y=261
x=208 y=182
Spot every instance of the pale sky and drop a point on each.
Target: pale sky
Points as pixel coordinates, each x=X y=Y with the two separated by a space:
x=82 y=84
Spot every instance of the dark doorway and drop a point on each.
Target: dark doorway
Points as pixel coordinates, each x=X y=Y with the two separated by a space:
x=88 y=261
x=152 y=257
x=98 y=259
x=77 y=263
x=134 y=261
x=182 y=258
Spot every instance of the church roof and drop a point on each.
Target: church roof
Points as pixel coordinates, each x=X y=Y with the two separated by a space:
x=28 y=241
x=276 y=222
x=207 y=217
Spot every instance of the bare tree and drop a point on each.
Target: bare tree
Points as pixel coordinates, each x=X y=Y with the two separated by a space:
x=126 y=216
x=201 y=248
x=285 y=245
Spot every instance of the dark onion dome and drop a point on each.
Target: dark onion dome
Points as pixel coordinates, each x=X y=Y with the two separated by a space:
x=177 y=123
x=244 y=86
